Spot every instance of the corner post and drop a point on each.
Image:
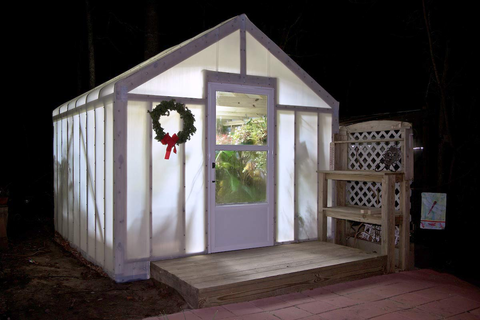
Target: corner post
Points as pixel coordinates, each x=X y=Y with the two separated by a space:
x=322 y=204
x=388 y=221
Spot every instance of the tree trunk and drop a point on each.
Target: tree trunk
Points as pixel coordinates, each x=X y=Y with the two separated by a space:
x=91 y=50
x=445 y=143
x=152 y=43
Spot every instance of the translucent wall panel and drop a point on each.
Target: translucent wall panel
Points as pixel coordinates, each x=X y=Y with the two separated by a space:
x=306 y=174
x=109 y=187
x=285 y=175
x=195 y=185
x=291 y=89
x=83 y=182
x=76 y=179
x=138 y=180
x=70 y=186
x=55 y=173
x=186 y=78
x=100 y=185
x=91 y=212
x=228 y=53
x=59 y=178
x=325 y=137
x=64 y=180
x=168 y=217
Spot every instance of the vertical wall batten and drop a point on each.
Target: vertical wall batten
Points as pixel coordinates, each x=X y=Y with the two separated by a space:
x=100 y=184
x=120 y=177
x=109 y=179
x=275 y=190
x=65 y=178
x=319 y=232
x=55 y=175
x=295 y=175
x=243 y=47
x=60 y=179
x=76 y=179
x=94 y=185
x=181 y=150
x=104 y=185
x=67 y=234
x=150 y=185
x=207 y=162
x=87 y=180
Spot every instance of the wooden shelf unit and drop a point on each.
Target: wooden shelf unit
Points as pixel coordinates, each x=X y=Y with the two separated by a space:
x=386 y=216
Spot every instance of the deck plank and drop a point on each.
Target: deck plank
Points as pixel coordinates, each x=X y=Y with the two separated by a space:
x=244 y=275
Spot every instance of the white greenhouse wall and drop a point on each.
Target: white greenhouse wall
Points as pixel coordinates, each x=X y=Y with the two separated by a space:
x=291 y=90
x=223 y=56
x=76 y=178
x=109 y=217
x=303 y=144
x=169 y=221
x=195 y=206
x=83 y=157
x=83 y=181
x=285 y=176
x=158 y=208
x=138 y=178
x=306 y=164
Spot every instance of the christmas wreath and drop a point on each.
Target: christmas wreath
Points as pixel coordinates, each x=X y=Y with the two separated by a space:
x=163 y=109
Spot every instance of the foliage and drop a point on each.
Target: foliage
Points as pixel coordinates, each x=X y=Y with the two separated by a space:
x=241 y=176
x=253 y=132
x=163 y=109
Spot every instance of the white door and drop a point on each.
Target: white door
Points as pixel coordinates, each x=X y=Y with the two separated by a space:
x=241 y=167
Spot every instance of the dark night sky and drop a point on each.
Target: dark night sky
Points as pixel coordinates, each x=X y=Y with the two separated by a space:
x=371 y=55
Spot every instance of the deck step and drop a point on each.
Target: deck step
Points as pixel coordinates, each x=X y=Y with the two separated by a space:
x=244 y=275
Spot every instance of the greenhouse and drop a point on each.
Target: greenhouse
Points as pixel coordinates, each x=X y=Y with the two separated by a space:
x=246 y=178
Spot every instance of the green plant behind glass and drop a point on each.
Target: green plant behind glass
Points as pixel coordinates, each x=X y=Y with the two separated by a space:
x=240 y=176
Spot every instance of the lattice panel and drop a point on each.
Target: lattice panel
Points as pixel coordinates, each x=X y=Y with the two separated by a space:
x=366 y=156
x=369 y=194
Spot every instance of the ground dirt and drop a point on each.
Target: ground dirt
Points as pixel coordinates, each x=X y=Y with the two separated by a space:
x=42 y=278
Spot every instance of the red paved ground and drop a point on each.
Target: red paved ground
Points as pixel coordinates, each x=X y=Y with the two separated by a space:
x=420 y=294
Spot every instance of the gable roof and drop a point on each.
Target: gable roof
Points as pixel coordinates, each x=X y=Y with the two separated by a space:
x=168 y=58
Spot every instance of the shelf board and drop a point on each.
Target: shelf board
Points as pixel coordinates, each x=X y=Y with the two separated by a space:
x=361 y=175
x=360 y=214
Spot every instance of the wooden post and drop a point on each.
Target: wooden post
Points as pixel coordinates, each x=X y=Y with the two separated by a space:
x=405 y=198
x=388 y=221
x=322 y=204
x=405 y=227
x=340 y=163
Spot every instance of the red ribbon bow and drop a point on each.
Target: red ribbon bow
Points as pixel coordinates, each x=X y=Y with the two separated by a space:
x=170 y=142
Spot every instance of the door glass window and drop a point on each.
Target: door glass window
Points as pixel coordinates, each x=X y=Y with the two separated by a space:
x=241 y=119
x=241 y=177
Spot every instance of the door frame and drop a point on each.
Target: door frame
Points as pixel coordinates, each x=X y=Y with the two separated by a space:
x=269 y=90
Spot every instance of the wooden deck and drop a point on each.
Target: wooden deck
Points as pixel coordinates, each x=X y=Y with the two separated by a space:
x=236 y=276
